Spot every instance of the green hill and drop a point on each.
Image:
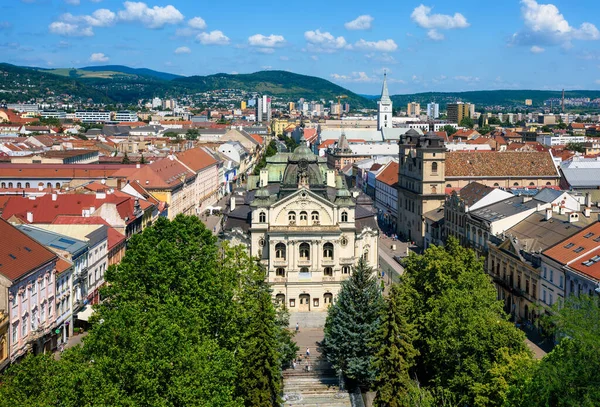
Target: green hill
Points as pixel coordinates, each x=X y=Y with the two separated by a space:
x=491 y=97
x=277 y=83
x=132 y=71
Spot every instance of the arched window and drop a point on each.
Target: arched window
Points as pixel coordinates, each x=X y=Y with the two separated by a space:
x=366 y=255
x=49 y=185
x=327 y=298
x=304 y=251
x=344 y=216
x=262 y=217
x=3 y=185
x=328 y=271
x=433 y=189
x=548 y=183
x=516 y=184
x=448 y=185
x=280 y=298
x=280 y=251
x=496 y=184
x=10 y=184
x=303 y=216
x=58 y=185
x=345 y=270
x=328 y=251
x=531 y=184
x=314 y=216
x=18 y=185
x=280 y=272
x=27 y=185
x=292 y=217
x=434 y=167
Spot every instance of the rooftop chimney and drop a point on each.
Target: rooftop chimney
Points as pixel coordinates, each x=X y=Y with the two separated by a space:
x=137 y=166
x=587 y=211
x=548 y=213
x=54 y=196
x=100 y=195
x=232 y=203
x=573 y=217
x=588 y=199
x=30 y=217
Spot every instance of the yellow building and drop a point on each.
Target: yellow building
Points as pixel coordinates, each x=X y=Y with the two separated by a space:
x=458 y=111
x=413 y=109
x=243 y=105
x=278 y=126
x=4 y=359
x=292 y=106
x=528 y=102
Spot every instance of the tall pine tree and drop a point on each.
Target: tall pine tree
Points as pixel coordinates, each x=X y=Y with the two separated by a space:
x=396 y=353
x=352 y=324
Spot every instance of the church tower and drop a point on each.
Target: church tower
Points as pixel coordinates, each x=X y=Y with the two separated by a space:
x=384 y=109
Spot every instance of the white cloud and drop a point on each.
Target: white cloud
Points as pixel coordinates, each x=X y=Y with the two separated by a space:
x=215 y=37
x=435 y=22
x=324 y=42
x=545 y=25
x=264 y=41
x=360 y=23
x=354 y=77
x=98 y=57
x=99 y=18
x=155 y=17
x=388 y=45
x=197 y=23
x=183 y=50
x=463 y=78
x=70 y=30
x=536 y=50
x=435 y=35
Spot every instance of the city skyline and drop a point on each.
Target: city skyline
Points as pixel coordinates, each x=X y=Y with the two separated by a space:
x=555 y=43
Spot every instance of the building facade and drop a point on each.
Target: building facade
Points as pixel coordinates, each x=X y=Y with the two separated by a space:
x=306 y=228
x=384 y=107
x=458 y=111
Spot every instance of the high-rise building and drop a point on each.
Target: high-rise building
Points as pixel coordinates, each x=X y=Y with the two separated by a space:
x=433 y=110
x=156 y=103
x=291 y=106
x=458 y=111
x=413 y=109
x=384 y=108
x=263 y=109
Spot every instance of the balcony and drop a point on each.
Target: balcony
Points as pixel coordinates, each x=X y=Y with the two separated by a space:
x=303 y=262
x=328 y=278
x=280 y=262
x=280 y=279
x=347 y=260
x=327 y=261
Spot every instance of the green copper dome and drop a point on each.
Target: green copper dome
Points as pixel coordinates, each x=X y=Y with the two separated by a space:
x=303 y=152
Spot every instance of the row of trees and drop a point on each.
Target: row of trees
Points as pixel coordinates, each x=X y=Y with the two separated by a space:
x=441 y=338
x=185 y=323
x=269 y=152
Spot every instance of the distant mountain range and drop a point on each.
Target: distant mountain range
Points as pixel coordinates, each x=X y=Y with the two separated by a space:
x=122 y=84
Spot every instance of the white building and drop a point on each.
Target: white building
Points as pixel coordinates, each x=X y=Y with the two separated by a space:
x=384 y=107
x=23 y=107
x=126 y=116
x=559 y=139
x=433 y=110
x=92 y=116
x=157 y=103
x=55 y=114
x=306 y=228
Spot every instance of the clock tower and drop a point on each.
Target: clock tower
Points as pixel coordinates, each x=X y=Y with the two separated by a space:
x=384 y=109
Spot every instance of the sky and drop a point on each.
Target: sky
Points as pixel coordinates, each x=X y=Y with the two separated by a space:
x=431 y=46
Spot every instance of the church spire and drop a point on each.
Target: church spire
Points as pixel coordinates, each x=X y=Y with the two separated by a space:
x=385 y=95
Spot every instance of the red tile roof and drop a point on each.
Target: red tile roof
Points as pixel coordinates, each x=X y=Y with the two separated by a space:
x=196 y=158
x=389 y=175
x=62 y=265
x=499 y=164
x=72 y=171
x=258 y=139
x=577 y=249
x=19 y=253
x=162 y=174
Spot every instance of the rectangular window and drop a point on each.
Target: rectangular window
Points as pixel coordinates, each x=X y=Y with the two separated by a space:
x=550 y=299
x=43 y=313
x=34 y=287
x=15 y=334
x=545 y=276
x=543 y=295
x=551 y=275
x=561 y=281
x=24 y=328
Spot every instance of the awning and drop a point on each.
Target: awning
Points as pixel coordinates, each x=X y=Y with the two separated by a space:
x=85 y=313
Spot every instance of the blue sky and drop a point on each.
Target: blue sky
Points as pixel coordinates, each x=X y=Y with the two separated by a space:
x=430 y=46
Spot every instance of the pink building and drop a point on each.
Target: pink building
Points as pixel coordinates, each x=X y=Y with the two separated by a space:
x=27 y=291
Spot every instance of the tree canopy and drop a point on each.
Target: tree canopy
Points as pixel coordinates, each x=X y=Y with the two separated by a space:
x=185 y=323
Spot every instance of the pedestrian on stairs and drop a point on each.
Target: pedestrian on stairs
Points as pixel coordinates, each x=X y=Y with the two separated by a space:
x=297 y=327
x=307 y=352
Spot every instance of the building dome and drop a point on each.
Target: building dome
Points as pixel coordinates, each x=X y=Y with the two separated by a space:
x=343 y=193
x=412 y=133
x=303 y=152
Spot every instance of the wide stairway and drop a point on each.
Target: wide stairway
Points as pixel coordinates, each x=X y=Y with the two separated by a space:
x=313 y=383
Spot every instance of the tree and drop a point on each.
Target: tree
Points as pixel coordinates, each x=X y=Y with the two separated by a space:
x=484 y=130
x=464 y=332
x=567 y=376
x=142 y=159
x=546 y=129
x=352 y=324
x=192 y=134
x=126 y=159
x=450 y=130
x=396 y=353
x=578 y=147
x=481 y=121
x=467 y=122
x=171 y=134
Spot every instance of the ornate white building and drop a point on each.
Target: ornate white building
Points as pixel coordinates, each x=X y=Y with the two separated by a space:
x=384 y=107
x=306 y=228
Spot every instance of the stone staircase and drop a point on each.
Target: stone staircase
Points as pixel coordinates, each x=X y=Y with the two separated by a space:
x=313 y=383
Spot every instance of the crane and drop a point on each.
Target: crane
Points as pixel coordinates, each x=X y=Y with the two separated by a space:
x=339 y=98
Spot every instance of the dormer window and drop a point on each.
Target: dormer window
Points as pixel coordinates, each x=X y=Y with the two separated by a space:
x=262 y=217
x=344 y=216
x=292 y=217
x=314 y=216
